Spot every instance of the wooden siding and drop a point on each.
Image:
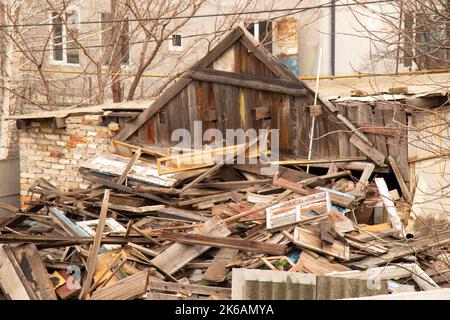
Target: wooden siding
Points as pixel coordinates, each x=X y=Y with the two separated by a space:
x=225 y=106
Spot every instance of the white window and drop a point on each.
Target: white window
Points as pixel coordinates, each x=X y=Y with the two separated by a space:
x=175 y=42
x=262 y=31
x=65 y=48
x=119 y=42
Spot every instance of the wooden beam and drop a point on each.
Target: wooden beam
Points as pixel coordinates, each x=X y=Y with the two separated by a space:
x=248 y=81
x=405 y=191
x=130 y=165
x=364 y=179
x=261 y=113
x=178 y=255
x=371 y=152
x=390 y=206
x=93 y=252
x=221 y=242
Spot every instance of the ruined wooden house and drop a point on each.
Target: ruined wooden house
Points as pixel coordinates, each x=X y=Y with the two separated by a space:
x=238 y=84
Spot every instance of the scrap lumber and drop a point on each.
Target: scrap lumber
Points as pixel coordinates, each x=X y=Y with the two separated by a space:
x=93 y=252
x=241 y=149
x=422 y=279
x=390 y=206
x=401 y=250
x=364 y=179
x=218 y=270
x=222 y=242
x=33 y=269
x=113 y=185
x=384 y=273
x=304 y=190
x=188 y=289
x=310 y=240
x=181 y=214
x=10 y=281
x=398 y=174
x=130 y=164
x=178 y=255
x=369 y=151
x=131 y=287
x=311 y=262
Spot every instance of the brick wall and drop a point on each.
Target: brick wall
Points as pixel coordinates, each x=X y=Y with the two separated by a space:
x=56 y=154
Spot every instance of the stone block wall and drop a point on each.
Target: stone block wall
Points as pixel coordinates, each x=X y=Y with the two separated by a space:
x=56 y=154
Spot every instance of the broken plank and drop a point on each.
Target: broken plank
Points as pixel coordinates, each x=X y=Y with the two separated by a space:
x=130 y=164
x=390 y=206
x=308 y=239
x=188 y=289
x=369 y=151
x=34 y=271
x=401 y=250
x=178 y=255
x=398 y=174
x=131 y=287
x=221 y=242
x=93 y=252
x=10 y=282
x=384 y=273
x=312 y=263
x=218 y=271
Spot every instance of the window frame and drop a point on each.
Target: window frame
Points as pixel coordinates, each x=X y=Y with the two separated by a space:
x=64 y=39
x=176 y=48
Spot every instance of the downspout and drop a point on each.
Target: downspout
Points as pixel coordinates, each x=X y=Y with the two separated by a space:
x=333 y=38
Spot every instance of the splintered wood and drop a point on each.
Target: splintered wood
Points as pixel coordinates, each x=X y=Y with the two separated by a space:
x=141 y=234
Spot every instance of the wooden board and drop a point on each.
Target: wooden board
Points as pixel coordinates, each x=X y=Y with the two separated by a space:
x=308 y=239
x=313 y=263
x=178 y=255
x=10 y=282
x=29 y=260
x=390 y=206
x=217 y=271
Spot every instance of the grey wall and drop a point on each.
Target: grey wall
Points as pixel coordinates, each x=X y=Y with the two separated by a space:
x=9 y=182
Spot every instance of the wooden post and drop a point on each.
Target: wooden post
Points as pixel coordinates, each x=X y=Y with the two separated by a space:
x=93 y=252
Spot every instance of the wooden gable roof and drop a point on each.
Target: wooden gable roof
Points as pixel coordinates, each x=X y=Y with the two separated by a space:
x=278 y=79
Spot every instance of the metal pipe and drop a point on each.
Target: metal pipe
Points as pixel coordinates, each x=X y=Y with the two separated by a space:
x=333 y=38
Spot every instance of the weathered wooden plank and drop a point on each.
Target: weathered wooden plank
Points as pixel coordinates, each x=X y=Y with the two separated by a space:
x=93 y=252
x=34 y=271
x=398 y=174
x=390 y=206
x=222 y=242
x=248 y=81
x=178 y=255
x=218 y=271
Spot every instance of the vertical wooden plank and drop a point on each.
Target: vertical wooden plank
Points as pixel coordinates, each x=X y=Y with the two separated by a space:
x=192 y=106
x=378 y=120
x=344 y=145
x=93 y=252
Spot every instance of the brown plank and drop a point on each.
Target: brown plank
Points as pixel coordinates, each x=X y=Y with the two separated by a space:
x=93 y=251
x=178 y=255
x=294 y=88
x=221 y=242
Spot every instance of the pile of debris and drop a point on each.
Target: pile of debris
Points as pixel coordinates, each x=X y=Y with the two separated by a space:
x=155 y=226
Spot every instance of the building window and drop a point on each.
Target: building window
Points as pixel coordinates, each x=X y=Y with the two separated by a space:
x=175 y=43
x=113 y=39
x=65 y=48
x=262 y=32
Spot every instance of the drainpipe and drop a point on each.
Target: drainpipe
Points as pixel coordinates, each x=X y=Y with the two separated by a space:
x=333 y=38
